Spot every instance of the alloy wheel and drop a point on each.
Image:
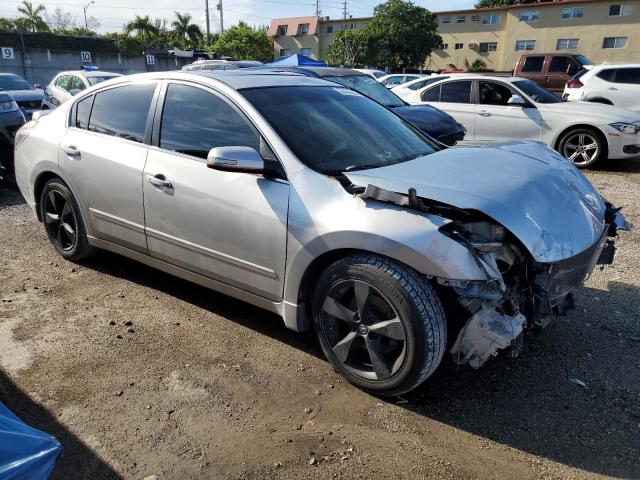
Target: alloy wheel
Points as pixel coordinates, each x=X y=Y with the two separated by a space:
x=581 y=148
x=363 y=330
x=60 y=221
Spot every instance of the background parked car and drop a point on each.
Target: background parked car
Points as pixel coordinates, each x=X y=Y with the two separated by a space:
x=212 y=65
x=617 y=85
x=67 y=84
x=395 y=79
x=499 y=108
x=550 y=70
x=27 y=96
x=430 y=120
x=246 y=63
x=11 y=119
x=407 y=88
x=372 y=72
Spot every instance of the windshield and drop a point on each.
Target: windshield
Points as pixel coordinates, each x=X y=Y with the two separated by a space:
x=97 y=80
x=536 y=92
x=13 y=82
x=334 y=129
x=369 y=87
x=583 y=60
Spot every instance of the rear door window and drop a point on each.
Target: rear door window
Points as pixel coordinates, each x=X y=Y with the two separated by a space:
x=456 y=92
x=194 y=121
x=628 y=75
x=533 y=64
x=559 y=64
x=122 y=111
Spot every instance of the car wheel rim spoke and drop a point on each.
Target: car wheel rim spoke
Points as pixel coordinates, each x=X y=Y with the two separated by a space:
x=60 y=220
x=51 y=218
x=363 y=330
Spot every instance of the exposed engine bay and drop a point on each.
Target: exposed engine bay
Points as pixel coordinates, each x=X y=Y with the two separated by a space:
x=521 y=293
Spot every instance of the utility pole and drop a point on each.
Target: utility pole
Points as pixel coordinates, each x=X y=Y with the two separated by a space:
x=221 y=16
x=85 y=8
x=206 y=3
x=318 y=8
x=344 y=10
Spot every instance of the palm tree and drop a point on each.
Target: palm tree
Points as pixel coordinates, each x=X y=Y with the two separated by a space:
x=33 y=16
x=143 y=26
x=184 y=31
x=478 y=65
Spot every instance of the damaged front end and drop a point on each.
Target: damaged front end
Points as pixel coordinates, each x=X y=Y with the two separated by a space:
x=521 y=293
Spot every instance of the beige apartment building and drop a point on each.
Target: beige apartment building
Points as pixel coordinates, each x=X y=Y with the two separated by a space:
x=602 y=30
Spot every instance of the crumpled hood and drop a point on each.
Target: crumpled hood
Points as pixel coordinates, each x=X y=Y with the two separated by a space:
x=539 y=196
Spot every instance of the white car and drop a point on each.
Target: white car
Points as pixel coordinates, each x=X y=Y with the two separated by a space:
x=211 y=65
x=617 y=85
x=408 y=88
x=67 y=84
x=395 y=79
x=504 y=108
x=372 y=72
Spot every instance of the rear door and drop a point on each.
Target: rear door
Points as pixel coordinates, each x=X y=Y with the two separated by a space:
x=228 y=226
x=103 y=153
x=497 y=120
x=454 y=97
x=624 y=91
x=533 y=68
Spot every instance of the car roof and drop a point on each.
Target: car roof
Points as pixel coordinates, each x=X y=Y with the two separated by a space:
x=89 y=73
x=318 y=71
x=237 y=79
x=615 y=65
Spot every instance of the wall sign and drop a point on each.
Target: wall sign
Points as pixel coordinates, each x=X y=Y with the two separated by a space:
x=85 y=57
x=151 y=60
x=7 y=53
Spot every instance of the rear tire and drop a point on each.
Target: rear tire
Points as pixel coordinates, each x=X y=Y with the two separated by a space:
x=63 y=222
x=379 y=323
x=584 y=147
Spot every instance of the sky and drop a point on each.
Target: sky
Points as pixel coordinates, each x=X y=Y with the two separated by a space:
x=113 y=14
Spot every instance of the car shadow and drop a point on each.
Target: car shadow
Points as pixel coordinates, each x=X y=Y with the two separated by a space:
x=528 y=403
x=9 y=194
x=624 y=165
x=77 y=460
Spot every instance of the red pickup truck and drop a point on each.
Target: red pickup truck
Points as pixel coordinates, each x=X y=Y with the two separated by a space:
x=550 y=70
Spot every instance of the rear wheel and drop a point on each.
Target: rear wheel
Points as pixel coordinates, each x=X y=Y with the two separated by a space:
x=62 y=221
x=379 y=323
x=582 y=146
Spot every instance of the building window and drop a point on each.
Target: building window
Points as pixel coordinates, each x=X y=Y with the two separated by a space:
x=444 y=46
x=567 y=44
x=305 y=51
x=572 y=12
x=620 y=10
x=491 y=18
x=446 y=19
x=333 y=28
x=614 y=42
x=488 y=47
x=525 y=45
x=459 y=46
x=303 y=29
x=530 y=15
x=282 y=29
x=352 y=26
x=461 y=19
x=285 y=52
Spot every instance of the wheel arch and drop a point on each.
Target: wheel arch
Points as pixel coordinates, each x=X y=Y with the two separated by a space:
x=603 y=100
x=38 y=185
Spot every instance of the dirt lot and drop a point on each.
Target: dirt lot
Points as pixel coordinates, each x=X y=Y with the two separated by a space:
x=202 y=386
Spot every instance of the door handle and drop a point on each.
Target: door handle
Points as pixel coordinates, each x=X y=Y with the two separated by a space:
x=71 y=151
x=484 y=113
x=159 y=181
x=613 y=88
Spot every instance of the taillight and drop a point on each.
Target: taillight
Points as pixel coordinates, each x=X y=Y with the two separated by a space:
x=575 y=84
x=23 y=133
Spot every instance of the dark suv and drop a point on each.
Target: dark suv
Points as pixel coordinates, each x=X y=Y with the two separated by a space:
x=435 y=123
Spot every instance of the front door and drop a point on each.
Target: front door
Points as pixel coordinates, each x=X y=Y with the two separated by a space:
x=102 y=154
x=496 y=120
x=228 y=226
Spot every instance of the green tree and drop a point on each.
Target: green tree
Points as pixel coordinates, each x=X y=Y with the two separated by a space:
x=499 y=3
x=32 y=17
x=7 y=25
x=184 y=32
x=348 y=48
x=401 y=35
x=245 y=43
x=143 y=27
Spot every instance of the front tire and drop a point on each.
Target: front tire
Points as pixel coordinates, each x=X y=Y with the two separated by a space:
x=62 y=221
x=583 y=147
x=379 y=323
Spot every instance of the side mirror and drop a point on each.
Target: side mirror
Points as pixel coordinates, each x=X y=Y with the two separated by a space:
x=74 y=91
x=37 y=86
x=40 y=114
x=516 y=101
x=235 y=159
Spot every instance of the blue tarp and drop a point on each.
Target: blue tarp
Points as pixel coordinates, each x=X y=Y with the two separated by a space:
x=296 y=59
x=25 y=453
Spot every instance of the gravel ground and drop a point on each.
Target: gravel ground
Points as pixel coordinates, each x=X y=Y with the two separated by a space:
x=139 y=374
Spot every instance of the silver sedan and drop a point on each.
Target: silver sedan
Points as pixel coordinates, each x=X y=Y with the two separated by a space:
x=312 y=201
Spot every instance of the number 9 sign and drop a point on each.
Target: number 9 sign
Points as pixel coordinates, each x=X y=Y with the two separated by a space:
x=7 y=53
